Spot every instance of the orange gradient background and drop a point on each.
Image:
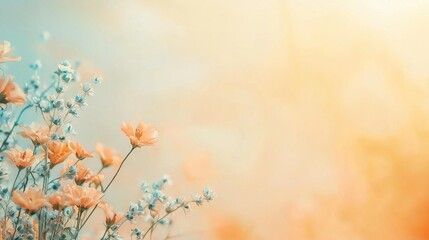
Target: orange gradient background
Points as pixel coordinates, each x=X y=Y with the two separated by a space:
x=310 y=119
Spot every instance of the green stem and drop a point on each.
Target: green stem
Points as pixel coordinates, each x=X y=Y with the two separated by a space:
x=120 y=166
x=105 y=232
x=105 y=189
x=14 y=125
x=14 y=181
x=150 y=229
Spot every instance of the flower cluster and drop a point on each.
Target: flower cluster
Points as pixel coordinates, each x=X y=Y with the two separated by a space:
x=53 y=193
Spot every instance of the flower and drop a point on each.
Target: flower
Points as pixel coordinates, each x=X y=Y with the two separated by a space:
x=209 y=195
x=64 y=67
x=6 y=49
x=58 y=152
x=198 y=199
x=97 y=80
x=79 y=151
x=82 y=197
x=57 y=200
x=10 y=92
x=112 y=217
x=143 y=135
x=21 y=159
x=108 y=156
x=31 y=200
x=37 y=134
x=83 y=173
x=98 y=179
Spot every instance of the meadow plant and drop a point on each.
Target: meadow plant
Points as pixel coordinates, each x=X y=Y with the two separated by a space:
x=47 y=191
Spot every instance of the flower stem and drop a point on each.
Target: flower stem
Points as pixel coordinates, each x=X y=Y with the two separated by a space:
x=105 y=232
x=14 y=125
x=120 y=166
x=105 y=189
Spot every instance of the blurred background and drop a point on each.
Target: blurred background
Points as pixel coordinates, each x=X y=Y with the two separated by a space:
x=310 y=119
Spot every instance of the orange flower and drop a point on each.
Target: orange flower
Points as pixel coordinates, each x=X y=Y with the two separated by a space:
x=81 y=197
x=21 y=159
x=97 y=179
x=108 y=156
x=58 y=152
x=6 y=49
x=31 y=200
x=37 y=134
x=9 y=229
x=79 y=151
x=143 y=135
x=10 y=92
x=112 y=217
x=57 y=200
x=83 y=173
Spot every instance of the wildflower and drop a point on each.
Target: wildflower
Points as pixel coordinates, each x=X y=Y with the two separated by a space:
x=108 y=156
x=81 y=197
x=56 y=186
x=58 y=103
x=87 y=89
x=37 y=134
x=58 y=152
x=80 y=100
x=209 y=195
x=68 y=211
x=31 y=200
x=64 y=67
x=136 y=232
x=68 y=128
x=112 y=217
x=57 y=200
x=83 y=173
x=70 y=104
x=74 y=112
x=10 y=92
x=21 y=159
x=6 y=49
x=46 y=106
x=57 y=121
x=97 y=80
x=98 y=179
x=143 y=135
x=170 y=207
x=79 y=151
x=67 y=77
x=159 y=185
x=144 y=186
x=198 y=199
x=36 y=65
x=71 y=173
x=186 y=207
x=60 y=89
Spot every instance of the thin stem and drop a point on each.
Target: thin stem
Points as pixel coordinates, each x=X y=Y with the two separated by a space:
x=14 y=125
x=105 y=232
x=8 y=202
x=120 y=166
x=105 y=189
x=20 y=209
x=150 y=229
x=156 y=222
x=14 y=181
x=79 y=216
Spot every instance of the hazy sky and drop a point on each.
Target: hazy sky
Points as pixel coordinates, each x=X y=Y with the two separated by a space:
x=308 y=118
